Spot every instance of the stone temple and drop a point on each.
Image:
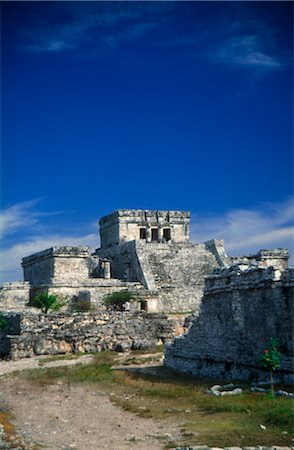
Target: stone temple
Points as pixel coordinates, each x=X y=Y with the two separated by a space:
x=144 y=251
x=224 y=308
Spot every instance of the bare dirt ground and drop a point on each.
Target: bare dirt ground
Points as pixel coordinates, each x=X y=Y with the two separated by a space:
x=61 y=416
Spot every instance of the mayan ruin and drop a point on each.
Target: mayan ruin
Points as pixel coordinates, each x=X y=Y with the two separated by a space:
x=146 y=225
x=149 y=253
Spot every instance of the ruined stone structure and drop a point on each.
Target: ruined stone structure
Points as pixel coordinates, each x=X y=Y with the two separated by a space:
x=242 y=307
x=246 y=299
x=38 y=334
x=147 y=252
x=74 y=273
x=15 y=296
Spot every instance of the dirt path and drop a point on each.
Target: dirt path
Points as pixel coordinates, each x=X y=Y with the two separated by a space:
x=80 y=417
x=7 y=367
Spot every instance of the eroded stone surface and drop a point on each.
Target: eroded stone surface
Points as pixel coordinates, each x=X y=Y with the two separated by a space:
x=241 y=309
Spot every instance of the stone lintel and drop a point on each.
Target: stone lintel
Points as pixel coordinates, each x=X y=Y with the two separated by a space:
x=145 y=215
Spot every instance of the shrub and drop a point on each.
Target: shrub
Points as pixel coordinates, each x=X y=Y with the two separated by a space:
x=47 y=302
x=271 y=359
x=281 y=416
x=3 y=322
x=116 y=300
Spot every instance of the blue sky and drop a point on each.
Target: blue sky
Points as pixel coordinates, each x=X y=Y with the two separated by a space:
x=152 y=105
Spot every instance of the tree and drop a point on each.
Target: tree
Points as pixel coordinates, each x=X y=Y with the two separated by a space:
x=271 y=359
x=116 y=300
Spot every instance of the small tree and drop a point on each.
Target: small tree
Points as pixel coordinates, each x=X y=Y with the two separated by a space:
x=116 y=300
x=271 y=359
x=47 y=302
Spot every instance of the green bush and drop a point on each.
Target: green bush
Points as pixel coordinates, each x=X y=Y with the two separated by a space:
x=47 y=302
x=3 y=322
x=116 y=300
x=280 y=416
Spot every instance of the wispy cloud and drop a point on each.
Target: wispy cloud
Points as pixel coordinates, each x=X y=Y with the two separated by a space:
x=25 y=232
x=247 y=51
x=49 y=46
x=11 y=257
x=21 y=216
x=243 y=230
x=90 y=24
x=247 y=231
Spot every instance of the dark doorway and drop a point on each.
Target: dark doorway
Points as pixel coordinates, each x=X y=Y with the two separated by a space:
x=142 y=233
x=154 y=234
x=166 y=234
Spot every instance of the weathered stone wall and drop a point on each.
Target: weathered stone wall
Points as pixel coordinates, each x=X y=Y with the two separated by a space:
x=57 y=264
x=95 y=289
x=14 y=296
x=173 y=273
x=124 y=225
x=88 y=332
x=277 y=258
x=240 y=310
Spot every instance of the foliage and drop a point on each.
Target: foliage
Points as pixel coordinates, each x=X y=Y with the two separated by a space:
x=3 y=322
x=116 y=300
x=280 y=416
x=271 y=357
x=46 y=302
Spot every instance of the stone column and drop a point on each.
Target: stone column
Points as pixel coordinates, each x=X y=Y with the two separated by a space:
x=106 y=269
x=148 y=234
x=160 y=234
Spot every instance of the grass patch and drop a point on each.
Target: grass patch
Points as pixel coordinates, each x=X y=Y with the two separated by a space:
x=202 y=419
x=49 y=359
x=96 y=372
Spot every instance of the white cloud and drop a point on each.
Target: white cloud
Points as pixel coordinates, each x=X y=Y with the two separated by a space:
x=247 y=231
x=243 y=230
x=18 y=216
x=91 y=24
x=11 y=257
x=21 y=216
x=247 y=51
x=23 y=222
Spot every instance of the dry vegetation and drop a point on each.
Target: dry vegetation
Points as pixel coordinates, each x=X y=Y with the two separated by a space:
x=157 y=393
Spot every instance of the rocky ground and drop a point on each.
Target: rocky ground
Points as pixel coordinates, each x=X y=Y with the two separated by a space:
x=78 y=417
x=59 y=416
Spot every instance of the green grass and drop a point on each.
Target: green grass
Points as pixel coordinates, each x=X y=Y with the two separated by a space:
x=49 y=359
x=202 y=419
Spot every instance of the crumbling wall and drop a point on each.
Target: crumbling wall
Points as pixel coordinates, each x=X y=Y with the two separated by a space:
x=239 y=312
x=14 y=296
x=96 y=290
x=88 y=332
x=277 y=258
